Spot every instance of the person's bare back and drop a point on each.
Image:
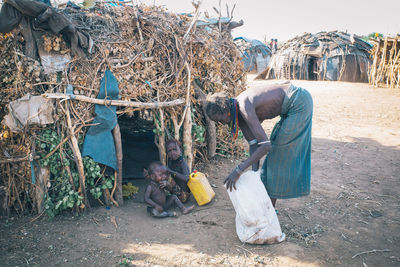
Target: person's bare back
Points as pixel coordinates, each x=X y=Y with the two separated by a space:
x=267 y=100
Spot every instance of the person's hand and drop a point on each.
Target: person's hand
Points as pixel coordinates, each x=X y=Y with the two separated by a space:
x=164 y=184
x=170 y=171
x=159 y=208
x=164 y=168
x=231 y=180
x=255 y=166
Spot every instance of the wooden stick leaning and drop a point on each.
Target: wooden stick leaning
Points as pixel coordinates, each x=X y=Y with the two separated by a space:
x=195 y=17
x=113 y=190
x=374 y=65
x=394 y=64
x=187 y=126
x=77 y=156
x=118 y=152
x=161 y=137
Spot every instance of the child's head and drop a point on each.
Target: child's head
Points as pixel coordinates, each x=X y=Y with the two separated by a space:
x=173 y=149
x=156 y=172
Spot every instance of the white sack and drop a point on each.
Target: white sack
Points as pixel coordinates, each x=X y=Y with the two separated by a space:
x=256 y=219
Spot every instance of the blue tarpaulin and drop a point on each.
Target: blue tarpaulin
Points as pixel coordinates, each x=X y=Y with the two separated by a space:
x=99 y=142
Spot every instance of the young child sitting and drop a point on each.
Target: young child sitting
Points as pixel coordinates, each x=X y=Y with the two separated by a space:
x=155 y=194
x=179 y=170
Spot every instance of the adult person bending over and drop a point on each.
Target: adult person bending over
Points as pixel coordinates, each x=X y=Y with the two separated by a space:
x=286 y=170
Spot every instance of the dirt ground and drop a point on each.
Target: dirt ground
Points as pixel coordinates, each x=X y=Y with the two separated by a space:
x=351 y=217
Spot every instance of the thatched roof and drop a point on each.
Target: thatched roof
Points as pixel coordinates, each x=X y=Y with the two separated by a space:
x=332 y=56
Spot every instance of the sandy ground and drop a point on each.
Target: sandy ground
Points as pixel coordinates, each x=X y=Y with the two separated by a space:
x=351 y=217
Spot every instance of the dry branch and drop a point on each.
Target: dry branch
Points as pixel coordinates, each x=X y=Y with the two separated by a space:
x=110 y=102
x=77 y=157
x=118 y=152
x=371 y=251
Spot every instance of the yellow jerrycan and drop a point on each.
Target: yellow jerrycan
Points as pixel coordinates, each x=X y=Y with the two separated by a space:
x=200 y=188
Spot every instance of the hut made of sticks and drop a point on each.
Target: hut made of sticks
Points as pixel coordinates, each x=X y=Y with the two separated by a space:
x=122 y=77
x=386 y=62
x=325 y=56
x=256 y=55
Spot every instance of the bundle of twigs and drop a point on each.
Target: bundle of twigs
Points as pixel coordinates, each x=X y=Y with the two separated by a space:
x=155 y=56
x=17 y=72
x=386 y=63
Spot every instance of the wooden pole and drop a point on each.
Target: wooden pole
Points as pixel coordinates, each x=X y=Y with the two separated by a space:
x=121 y=103
x=187 y=126
x=107 y=197
x=398 y=77
x=387 y=67
x=382 y=63
x=43 y=177
x=118 y=152
x=374 y=64
x=161 y=137
x=176 y=124
x=394 y=63
x=161 y=140
x=187 y=137
x=77 y=157
x=342 y=68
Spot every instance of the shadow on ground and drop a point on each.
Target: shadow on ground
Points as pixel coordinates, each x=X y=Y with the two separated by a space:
x=350 y=218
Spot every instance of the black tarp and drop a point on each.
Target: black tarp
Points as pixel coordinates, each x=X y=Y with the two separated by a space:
x=35 y=16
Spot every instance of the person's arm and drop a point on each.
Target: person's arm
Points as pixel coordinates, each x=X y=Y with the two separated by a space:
x=253 y=142
x=250 y=126
x=253 y=125
x=184 y=175
x=148 y=200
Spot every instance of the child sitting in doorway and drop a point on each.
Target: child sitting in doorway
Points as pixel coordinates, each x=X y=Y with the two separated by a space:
x=156 y=196
x=178 y=169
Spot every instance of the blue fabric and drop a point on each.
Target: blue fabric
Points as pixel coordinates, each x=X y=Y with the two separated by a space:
x=99 y=142
x=249 y=55
x=286 y=172
x=33 y=165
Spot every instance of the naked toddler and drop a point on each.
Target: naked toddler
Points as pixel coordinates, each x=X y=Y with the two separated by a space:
x=155 y=194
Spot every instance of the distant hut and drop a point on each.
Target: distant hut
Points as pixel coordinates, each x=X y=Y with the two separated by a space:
x=325 y=56
x=256 y=55
x=386 y=62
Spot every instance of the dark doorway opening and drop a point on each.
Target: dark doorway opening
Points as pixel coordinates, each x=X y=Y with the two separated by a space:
x=138 y=146
x=312 y=69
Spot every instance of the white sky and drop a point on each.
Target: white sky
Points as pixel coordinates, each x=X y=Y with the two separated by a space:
x=285 y=19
